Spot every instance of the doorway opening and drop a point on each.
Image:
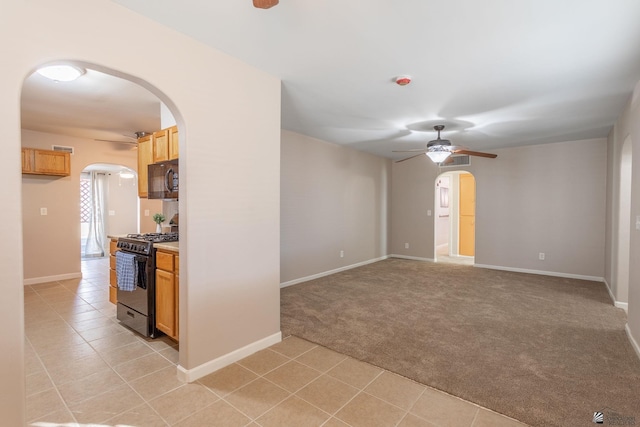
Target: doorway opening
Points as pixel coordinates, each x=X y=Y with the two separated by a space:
x=454 y=236
x=109 y=205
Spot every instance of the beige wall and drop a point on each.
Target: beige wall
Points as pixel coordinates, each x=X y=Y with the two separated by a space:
x=627 y=126
x=229 y=161
x=548 y=198
x=52 y=242
x=333 y=199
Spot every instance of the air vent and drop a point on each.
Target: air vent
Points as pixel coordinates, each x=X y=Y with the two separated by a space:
x=62 y=148
x=462 y=160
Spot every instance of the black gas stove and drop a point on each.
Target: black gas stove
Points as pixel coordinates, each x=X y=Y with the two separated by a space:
x=143 y=243
x=136 y=302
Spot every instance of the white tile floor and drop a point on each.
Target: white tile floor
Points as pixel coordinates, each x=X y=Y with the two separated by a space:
x=84 y=369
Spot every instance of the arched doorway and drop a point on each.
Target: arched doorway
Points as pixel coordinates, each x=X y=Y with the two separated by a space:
x=74 y=301
x=454 y=236
x=108 y=206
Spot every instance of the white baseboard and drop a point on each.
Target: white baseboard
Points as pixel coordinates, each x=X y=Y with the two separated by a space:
x=46 y=279
x=190 y=375
x=622 y=305
x=632 y=340
x=542 y=272
x=330 y=272
x=415 y=258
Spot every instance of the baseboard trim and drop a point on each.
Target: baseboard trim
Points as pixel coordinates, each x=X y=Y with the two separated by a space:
x=415 y=258
x=622 y=305
x=190 y=375
x=46 y=279
x=330 y=272
x=632 y=340
x=542 y=272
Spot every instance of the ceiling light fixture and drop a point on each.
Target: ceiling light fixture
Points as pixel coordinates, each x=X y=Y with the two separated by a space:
x=61 y=73
x=126 y=175
x=438 y=156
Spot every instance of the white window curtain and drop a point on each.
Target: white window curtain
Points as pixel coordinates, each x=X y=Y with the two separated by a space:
x=96 y=240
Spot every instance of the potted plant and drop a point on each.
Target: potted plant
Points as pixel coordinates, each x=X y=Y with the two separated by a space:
x=158 y=218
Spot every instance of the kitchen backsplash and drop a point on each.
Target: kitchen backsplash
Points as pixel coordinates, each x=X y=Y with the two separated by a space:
x=169 y=209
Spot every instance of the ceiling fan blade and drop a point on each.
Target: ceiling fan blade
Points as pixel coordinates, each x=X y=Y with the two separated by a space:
x=475 y=153
x=409 y=158
x=417 y=150
x=264 y=4
x=119 y=142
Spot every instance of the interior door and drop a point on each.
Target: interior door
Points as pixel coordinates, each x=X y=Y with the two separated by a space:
x=467 y=235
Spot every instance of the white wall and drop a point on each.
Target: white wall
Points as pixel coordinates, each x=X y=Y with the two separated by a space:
x=52 y=242
x=122 y=202
x=333 y=199
x=548 y=198
x=230 y=181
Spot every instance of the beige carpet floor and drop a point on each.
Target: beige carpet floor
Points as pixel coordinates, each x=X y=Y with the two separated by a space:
x=547 y=351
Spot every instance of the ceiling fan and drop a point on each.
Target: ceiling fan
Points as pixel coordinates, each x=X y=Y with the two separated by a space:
x=131 y=140
x=264 y=4
x=439 y=150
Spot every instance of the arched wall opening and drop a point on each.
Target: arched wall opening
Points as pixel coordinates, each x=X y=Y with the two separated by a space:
x=230 y=175
x=454 y=222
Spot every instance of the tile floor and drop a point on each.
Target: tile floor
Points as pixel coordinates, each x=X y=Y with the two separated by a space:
x=84 y=369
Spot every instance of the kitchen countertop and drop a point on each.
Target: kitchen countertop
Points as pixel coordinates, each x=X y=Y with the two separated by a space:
x=168 y=246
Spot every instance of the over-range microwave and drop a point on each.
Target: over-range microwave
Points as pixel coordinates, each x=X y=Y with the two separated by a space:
x=163 y=180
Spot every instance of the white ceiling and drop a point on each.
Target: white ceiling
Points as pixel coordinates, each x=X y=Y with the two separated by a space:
x=497 y=73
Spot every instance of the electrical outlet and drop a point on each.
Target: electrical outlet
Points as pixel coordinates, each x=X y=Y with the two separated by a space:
x=406 y=246
x=541 y=256
x=112 y=213
x=43 y=211
x=429 y=212
x=341 y=254
x=146 y=212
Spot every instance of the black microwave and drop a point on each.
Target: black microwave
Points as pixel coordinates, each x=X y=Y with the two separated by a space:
x=163 y=180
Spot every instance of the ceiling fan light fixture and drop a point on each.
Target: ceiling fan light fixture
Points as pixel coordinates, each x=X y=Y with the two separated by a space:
x=61 y=73
x=438 y=156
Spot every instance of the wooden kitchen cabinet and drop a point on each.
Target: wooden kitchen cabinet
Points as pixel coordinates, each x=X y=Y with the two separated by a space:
x=45 y=162
x=174 y=143
x=161 y=145
x=157 y=147
x=167 y=289
x=145 y=157
x=113 y=280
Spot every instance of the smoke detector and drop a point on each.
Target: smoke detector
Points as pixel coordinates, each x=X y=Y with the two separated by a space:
x=403 y=80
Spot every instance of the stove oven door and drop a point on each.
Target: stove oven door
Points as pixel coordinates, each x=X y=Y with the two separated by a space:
x=134 y=307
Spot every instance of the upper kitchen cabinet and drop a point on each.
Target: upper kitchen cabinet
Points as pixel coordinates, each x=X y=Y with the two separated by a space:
x=165 y=144
x=173 y=143
x=145 y=157
x=161 y=145
x=45 y=162
x=157 y=147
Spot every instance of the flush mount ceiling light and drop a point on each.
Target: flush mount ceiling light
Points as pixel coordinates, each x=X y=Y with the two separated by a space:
x=61 y=73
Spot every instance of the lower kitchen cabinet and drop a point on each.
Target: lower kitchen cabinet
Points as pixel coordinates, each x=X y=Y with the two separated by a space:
x=113 y=280
x=167 y=291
